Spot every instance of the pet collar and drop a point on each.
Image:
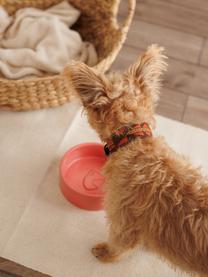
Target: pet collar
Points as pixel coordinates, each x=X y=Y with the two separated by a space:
x=125 y=135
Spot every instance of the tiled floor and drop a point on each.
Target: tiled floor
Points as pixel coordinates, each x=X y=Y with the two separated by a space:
x=182 y=28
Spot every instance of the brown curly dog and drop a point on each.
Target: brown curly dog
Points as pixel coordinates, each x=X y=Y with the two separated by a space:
x=154 y=196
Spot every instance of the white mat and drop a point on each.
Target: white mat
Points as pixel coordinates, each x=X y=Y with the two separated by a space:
x=38 y=227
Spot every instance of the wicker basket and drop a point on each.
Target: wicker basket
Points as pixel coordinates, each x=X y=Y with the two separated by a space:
x=97 y=24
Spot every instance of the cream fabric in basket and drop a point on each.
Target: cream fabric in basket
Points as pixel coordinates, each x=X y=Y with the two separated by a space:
x=37 y=42
x=38 y=227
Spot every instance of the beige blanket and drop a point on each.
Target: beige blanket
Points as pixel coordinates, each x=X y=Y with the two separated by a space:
x=38 y=227
x=37 y=42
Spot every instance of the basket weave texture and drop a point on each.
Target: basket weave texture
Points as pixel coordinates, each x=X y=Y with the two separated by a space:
x=97 y=24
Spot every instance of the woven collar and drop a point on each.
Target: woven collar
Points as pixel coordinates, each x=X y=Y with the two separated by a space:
x=125 y=135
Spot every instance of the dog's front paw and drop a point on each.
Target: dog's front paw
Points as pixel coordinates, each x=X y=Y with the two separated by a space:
x=101 y=252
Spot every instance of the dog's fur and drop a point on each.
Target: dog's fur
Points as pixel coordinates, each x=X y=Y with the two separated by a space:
x=153 y=195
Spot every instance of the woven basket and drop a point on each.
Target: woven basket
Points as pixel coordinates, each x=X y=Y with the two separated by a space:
x=97 y=24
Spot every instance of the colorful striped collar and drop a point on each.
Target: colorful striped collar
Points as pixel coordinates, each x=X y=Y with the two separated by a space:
x=125 y=135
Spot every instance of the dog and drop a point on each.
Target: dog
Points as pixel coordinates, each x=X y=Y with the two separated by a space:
x=154 y=196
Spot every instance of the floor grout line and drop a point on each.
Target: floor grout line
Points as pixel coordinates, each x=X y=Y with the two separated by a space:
x=201 y=51
x=184 y=109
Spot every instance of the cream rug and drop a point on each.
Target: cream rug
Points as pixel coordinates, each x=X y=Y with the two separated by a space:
x=38 y=227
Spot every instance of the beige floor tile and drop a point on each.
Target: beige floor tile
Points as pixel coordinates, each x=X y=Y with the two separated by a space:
x=197 y=112
x=178 y=45
x=188 y=78
x=204 y=56
x=199 y=5
x=127 y=56
x=187 y=19
x=172 y=104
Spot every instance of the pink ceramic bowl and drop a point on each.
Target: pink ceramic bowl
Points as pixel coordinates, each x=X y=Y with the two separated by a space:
x=81 y=180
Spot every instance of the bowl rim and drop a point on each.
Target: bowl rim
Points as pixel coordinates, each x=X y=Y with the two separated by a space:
x=63 y=180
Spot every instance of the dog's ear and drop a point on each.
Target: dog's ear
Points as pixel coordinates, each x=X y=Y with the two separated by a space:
x=92 y=87
x=147 y=70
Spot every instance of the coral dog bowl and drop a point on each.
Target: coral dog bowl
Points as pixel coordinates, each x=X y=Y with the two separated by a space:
x=81 y=180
